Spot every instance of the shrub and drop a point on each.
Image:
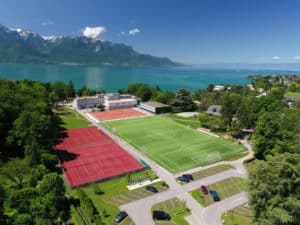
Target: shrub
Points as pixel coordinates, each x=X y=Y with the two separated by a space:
x=49 y=161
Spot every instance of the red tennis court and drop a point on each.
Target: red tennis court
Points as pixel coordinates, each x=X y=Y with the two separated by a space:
x=88 y=154
x=116 y=114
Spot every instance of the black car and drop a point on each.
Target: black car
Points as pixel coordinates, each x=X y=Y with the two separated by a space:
x=189 y=176
x=214 y=195
x=160 y=215
x=121 y=216
x=152 y=189
x=184 y=179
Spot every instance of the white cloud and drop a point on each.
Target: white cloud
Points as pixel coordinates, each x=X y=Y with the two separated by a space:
x=134 y=32
x=276 y=57
x=93 y=32
x=47 y=23
x=123 y=33
x=296 y=57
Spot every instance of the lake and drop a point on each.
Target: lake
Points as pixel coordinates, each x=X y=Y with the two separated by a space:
x=113 y=79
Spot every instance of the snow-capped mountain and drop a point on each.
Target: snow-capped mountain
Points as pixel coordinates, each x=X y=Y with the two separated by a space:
x=23 y=46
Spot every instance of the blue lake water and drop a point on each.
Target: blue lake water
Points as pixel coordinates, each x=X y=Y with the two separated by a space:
x=114 y=78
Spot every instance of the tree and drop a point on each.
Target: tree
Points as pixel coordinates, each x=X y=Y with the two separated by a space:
x=49 y=161
x=274 y=190
x=210 y=87
x=227 y=109
x=22 y=219
x=183 y=101
x=20 y=199
x=53 y=98
x=15 y=170
x=52 y=183
x=245 y=113
x=144 y=92
x=165 y=97
x=2 y=197
x=236 y=129
x=71 y=92
x=273 y=134
x=60 y=89
x=32 y=129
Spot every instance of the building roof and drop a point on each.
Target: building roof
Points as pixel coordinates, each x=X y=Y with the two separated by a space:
x=214 y=110
x=156 y=104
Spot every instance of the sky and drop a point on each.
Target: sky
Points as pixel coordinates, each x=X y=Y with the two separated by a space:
x=188 y=31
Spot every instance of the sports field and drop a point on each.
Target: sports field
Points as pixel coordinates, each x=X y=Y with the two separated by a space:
x=116 y=114
x=88 y=155
x=174 y=146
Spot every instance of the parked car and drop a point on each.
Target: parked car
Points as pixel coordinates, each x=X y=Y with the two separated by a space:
x=160 y=215
x=204 y=190
x=214 y=195
x=184 y=179
x=152 y=189
x=189 y=176
x=121 y=216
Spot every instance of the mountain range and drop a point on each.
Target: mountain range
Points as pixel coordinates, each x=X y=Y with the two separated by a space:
x=22 y=46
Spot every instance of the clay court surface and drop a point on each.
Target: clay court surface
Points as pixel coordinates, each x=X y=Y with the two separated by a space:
x=116 y=114
x=88 y=154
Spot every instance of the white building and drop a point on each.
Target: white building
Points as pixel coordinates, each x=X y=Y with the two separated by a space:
x=118 y=101
x=88 y=102
x=219 y=88
x=110 y=101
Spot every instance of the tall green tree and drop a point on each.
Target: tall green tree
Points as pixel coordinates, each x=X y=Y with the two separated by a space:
x=71 y=92
x=274 y=134
x=228 y=109
x=183 y=101
x=2 y=197
x=15 y=170
x=60 y=89
x=274 y=190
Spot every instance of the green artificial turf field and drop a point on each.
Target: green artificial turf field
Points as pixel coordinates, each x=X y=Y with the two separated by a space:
x=174 y=146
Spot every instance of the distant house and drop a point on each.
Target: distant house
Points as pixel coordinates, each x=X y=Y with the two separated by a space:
x=155 y=107
x=250 y=86
x=214 y=110
x=219 y=87
x=197 y=103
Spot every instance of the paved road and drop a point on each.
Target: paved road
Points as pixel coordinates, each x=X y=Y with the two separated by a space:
x=211 y=215
x=140 y=210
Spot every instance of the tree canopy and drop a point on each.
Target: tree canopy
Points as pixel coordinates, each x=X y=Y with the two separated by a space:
x=274 y=190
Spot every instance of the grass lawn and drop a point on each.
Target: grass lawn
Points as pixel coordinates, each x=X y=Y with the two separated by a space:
x=211 y=171
x=188 y=121
x=225 y=188
x=111 y=189
x=240 y=215
x=177 y=210
x=76 y=217
x=292 y=95
x=135 y=194
x=236 y=157
x=174 y=146
x=127 y=221
x=70 y=118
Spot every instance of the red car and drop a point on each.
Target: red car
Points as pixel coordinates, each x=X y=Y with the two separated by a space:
x=204 y=190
